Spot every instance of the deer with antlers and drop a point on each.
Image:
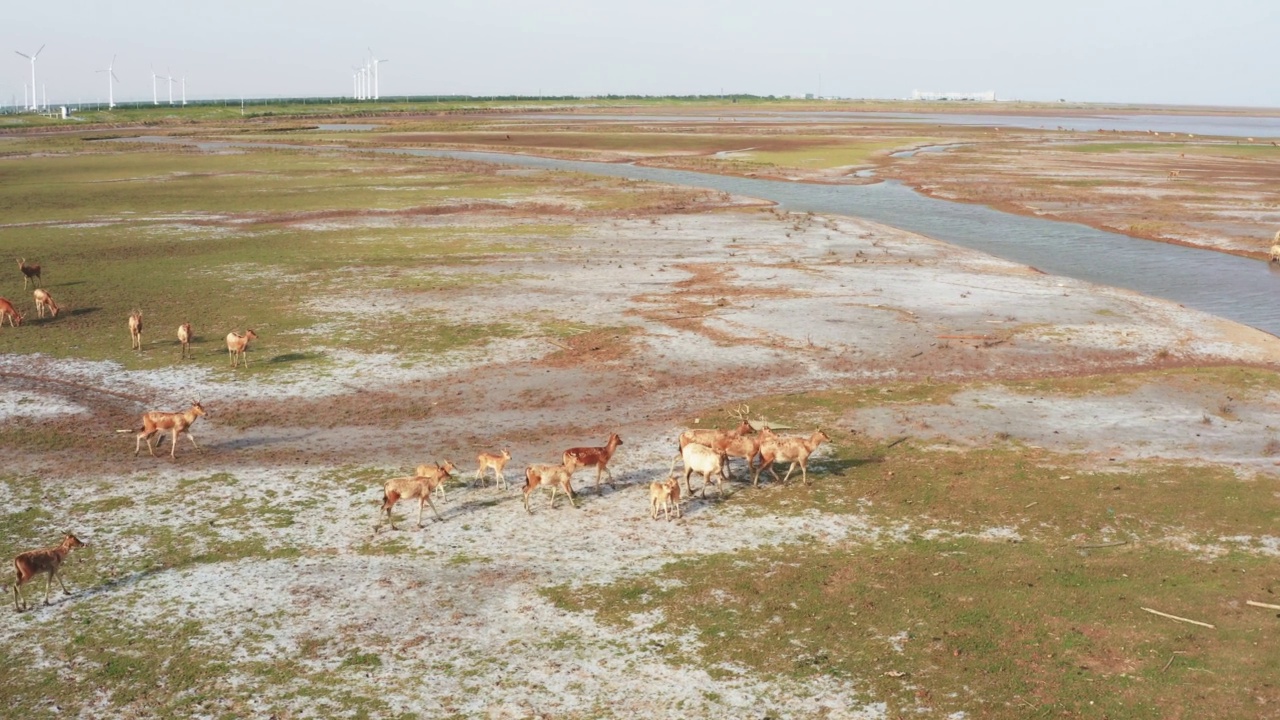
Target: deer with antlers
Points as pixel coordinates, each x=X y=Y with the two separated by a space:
x=44 y=301
x=157 y=422
x=599 y=457
x=9 y=312
x=184 y=339
x=237 y=344
x=135 y=330
x=30 y=273
x=29 y=564
x=714 y=436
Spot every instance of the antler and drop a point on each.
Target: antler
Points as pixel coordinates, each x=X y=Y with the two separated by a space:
x=742 y=412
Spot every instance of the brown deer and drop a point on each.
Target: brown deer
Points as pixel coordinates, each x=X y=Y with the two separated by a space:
x=795 y=450
x=434 y=471
x=135 y=330
x=30 y=273
x=184 y=339
x=664 y=494
x=713 y=436
x=175 y=422
x=7 y=310
x=45 y=301
x=409 y=488
x=29 y=564
x=495 y=461
x=556 y=477
x=236 y=345
x=586 y=457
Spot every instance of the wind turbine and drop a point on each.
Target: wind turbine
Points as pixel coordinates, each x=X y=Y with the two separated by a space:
x=170 y=79
x=154 y=100
x=111 y=75
x=184 y=89
x=32 y=58
x=376 y=61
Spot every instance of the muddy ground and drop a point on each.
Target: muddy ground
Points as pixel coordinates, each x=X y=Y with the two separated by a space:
x=684 y=314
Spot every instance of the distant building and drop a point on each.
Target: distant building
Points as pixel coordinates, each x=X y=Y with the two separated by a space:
x=988 y=96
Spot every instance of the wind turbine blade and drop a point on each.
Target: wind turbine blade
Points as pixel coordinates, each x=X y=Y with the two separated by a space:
x=23 y=54
x=113 y=74
x=38 y=52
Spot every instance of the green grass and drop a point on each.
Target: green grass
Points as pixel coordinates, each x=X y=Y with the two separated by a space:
x=839 y=154
x=995 y=630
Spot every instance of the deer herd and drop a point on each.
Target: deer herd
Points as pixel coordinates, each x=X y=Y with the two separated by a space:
x=236 y=343
x=706 y=452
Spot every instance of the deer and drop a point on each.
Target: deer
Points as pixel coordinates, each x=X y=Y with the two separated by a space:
x=184 y=339
x=157 y=421
x=236 y=345
x=705 y=460
x=8 y=311
x=795 y=450
x=557 y=477
x=29 y=564
x=135 y=330
x=742 y=446
x=409 y=488
x=497 y=462
x=30 y=273
x=1275 y=248
x=586 y=457
x=45 y=301
x=437 y=471
x=664 y=494
x=711 y=436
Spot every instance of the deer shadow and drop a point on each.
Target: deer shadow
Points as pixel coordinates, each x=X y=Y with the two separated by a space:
x=76 y=312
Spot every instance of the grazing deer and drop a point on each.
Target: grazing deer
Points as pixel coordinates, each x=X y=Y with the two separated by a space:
x=30 y=273
x=586 y=457
x=556 y=477
x=29 y=564
x=408 y=488
x=175 y=422
x=7 y=310
x=1174 y=174
x=236 y=345
x=135 y=330
x=45 y=301
x=705 y=460
x=497 y=462
x=795 y=450
x=184 y=339
x=664 y=494
x=437 y=471
x=713 y=436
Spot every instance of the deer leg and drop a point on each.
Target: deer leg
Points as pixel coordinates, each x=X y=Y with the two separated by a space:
x=788 y=475
x=433 y=509
x=48 y=585
x=65 y=591
x=192 y=438
x=568 y=490
x=553 y=496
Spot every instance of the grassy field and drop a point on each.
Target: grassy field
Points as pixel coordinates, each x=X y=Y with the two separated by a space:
x=940 y=578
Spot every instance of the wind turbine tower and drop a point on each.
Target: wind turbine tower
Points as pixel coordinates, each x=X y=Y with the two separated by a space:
x=170 y=79
x=32 y=58
x=111 y=76
x=184 y=90
x=376 y=62
x=154 y=99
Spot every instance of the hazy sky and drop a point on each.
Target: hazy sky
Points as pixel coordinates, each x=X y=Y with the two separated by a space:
x=1223 y=52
